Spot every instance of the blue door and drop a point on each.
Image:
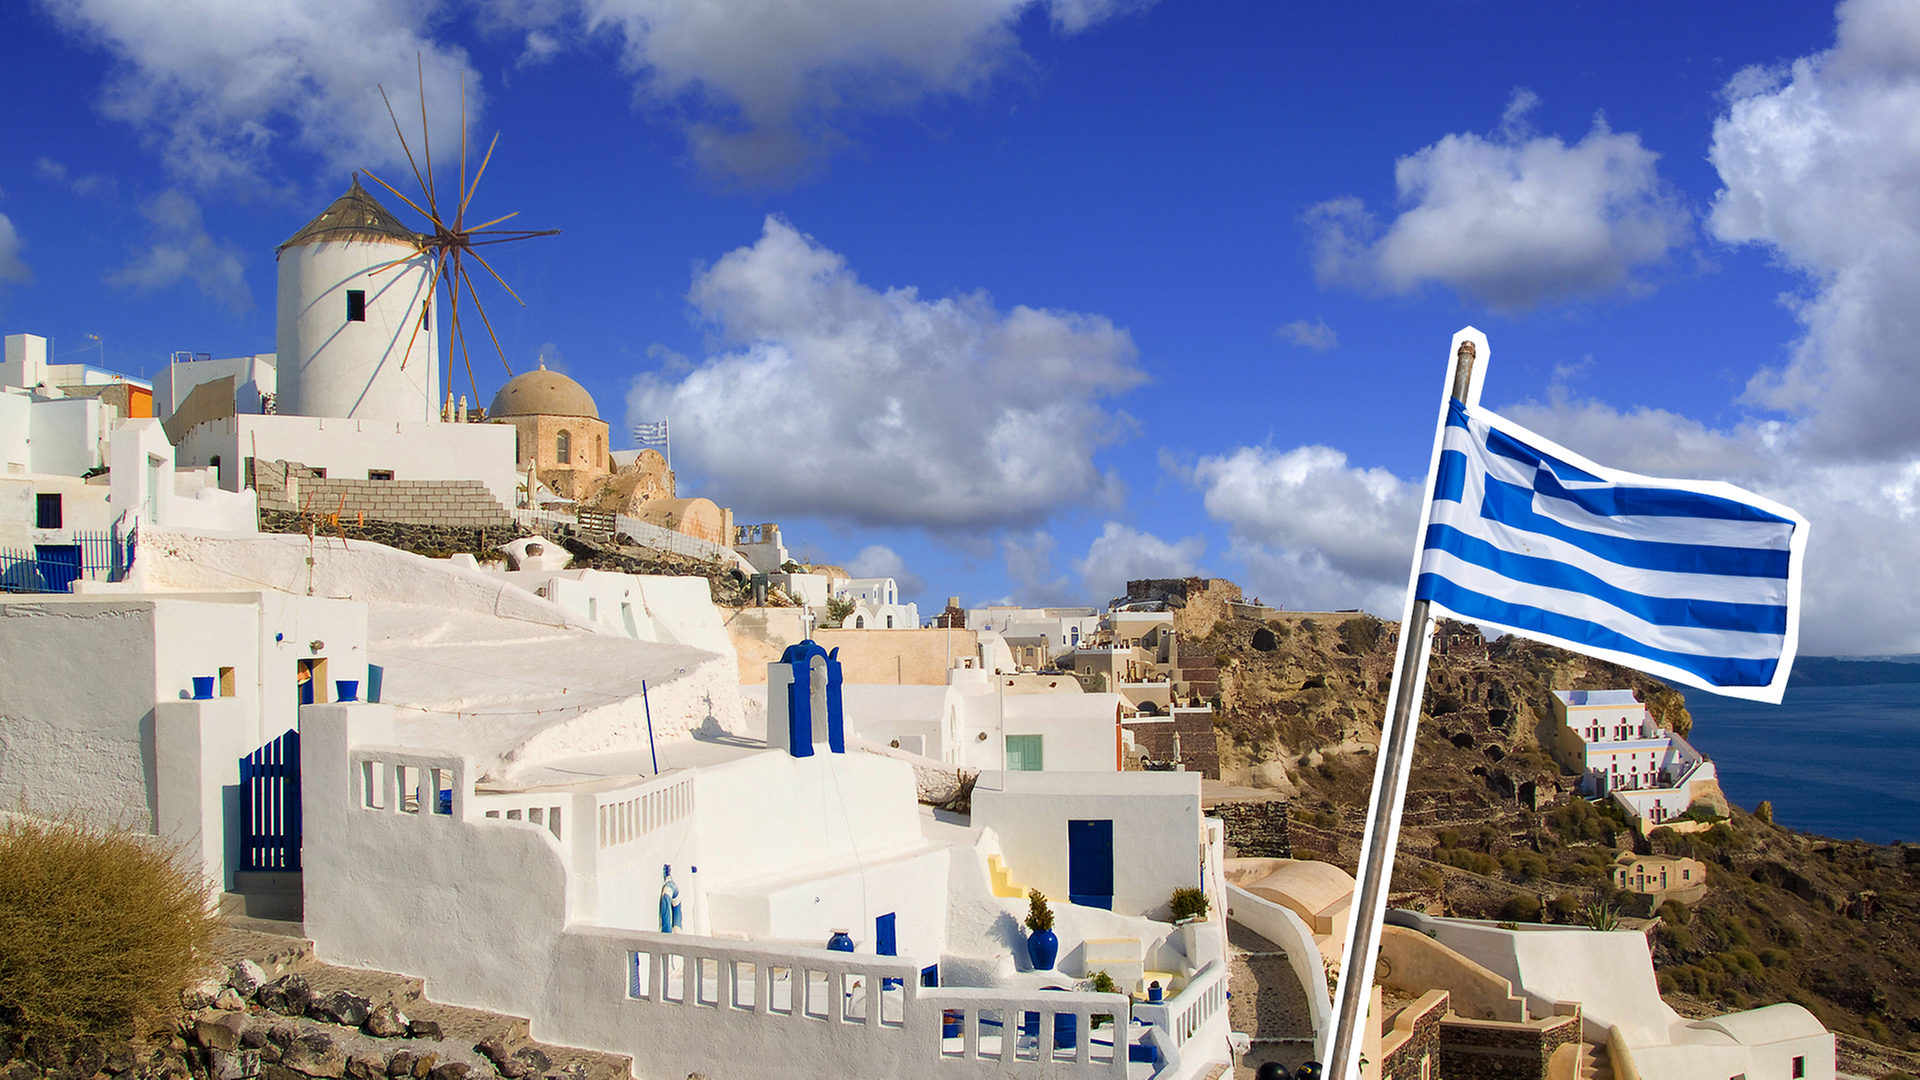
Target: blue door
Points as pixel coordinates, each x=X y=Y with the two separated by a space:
x=883 y=939
x=1090 y=863
x=59 y=565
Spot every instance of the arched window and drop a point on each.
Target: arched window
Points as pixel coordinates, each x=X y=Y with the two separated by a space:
x=859 y=622
x=889 y=622
x=563 y=448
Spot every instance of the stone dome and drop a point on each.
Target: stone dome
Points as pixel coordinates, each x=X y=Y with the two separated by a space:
x=542 y=393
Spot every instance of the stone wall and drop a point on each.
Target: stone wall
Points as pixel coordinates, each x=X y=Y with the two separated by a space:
x=1416 y=1058
x=1255 y=830
x=1197 y=603
x=292 y=486
x=433 y=541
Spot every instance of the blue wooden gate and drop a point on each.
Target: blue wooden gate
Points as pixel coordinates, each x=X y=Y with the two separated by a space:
x=270 y=798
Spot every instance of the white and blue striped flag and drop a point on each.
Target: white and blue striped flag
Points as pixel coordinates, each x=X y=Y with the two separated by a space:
x=1694 y=581
x=654 y=434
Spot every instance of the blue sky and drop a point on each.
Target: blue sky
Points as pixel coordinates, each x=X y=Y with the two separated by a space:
x=1020 y=298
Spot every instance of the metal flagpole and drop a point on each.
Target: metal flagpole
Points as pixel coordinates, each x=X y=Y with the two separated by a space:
x=1390 y=782
x=666 y=436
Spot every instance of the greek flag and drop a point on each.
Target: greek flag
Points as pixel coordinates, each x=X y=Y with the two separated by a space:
x=1694 y=581
x=651 y=434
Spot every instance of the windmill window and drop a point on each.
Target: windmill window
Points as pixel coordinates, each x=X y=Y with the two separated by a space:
x=356 y=305
x=563 y=447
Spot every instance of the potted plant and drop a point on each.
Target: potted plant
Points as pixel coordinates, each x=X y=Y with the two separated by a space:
x=1042 y=946
x=1189 y=909
x=1188 y=904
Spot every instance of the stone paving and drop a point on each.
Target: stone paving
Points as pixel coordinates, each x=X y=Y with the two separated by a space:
x=1268 y=1002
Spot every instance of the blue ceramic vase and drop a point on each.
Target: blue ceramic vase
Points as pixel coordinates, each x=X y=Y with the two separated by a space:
x=1043 y=948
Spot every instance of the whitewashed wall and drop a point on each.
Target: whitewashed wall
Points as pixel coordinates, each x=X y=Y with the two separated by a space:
x=1157 y=837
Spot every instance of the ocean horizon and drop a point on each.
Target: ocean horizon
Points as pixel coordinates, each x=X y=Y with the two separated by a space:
x=1839 y=761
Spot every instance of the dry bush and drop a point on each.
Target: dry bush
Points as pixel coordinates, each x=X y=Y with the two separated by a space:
x=99 y=927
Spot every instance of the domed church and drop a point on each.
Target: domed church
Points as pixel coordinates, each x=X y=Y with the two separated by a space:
x=562 y=438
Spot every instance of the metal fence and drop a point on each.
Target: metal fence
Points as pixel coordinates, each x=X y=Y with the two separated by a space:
x=53 y=568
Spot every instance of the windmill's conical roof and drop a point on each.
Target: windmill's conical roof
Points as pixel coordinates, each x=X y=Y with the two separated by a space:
x=357 y=215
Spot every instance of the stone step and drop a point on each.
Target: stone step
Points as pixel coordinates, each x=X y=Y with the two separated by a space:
x=461 y=1031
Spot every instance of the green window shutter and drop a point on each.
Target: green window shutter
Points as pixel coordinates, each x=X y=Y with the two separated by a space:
x=1024 y=753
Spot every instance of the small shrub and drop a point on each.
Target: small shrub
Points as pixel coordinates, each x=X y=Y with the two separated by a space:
x=837 y=612
x=99 y=927
x=1564 y=908
x=1361 y=634
x=1188 y=903
x=1521 y=907
x=1103 y=984
x=1039 y=915
x=1675 y=912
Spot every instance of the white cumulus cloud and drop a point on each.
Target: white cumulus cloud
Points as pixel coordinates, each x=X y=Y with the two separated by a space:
x=1512 y=220
x=12 y=267
x=878 y=407
x=1122 y=553
x=1315 y=335
x=764 y=87
x=879 y=561
x=1821 y=166
x=218 y=86
x=181 y=249
x=1313 y=531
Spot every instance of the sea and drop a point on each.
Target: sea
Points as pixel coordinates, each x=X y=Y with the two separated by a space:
x=1839 y=761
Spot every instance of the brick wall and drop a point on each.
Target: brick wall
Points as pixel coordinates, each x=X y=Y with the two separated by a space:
x=1199 y=751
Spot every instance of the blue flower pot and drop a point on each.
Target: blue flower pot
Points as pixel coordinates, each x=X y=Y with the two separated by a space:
x=346 y=689
x=1043 y=948
x=840 y=942
x=203 y=688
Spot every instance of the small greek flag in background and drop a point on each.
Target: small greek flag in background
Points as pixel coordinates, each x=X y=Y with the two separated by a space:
x=651 y=434
x=1693 y=581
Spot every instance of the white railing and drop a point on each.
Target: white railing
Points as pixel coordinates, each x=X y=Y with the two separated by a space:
x=1186 y=1013
x=544 y=808
x=1031 y=1034
x=952 y=1032
x=630 y=813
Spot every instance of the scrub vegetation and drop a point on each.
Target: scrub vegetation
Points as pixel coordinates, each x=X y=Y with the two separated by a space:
x=100 y=929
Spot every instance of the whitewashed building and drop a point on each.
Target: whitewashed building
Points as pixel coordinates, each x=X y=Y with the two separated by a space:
x=1610 y=739
x=1610 y=974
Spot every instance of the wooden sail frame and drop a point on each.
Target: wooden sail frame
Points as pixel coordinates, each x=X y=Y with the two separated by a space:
x=452 y=241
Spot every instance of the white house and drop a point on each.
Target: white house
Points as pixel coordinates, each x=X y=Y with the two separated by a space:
x=1610 y=974
x=975 y=722
x=876 y=604
x=1613 y=742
